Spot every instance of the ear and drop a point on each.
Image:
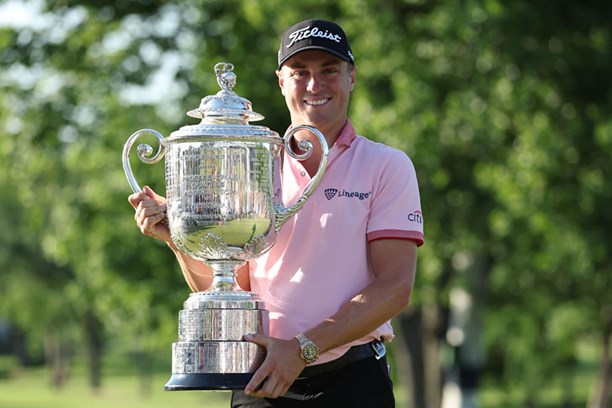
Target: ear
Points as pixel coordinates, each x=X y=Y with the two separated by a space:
x=280 y=81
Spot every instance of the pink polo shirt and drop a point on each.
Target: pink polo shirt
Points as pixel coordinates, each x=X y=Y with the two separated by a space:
x=319 y=261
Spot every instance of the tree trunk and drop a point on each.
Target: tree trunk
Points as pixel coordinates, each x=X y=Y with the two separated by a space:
x=601 y=395
x=57 y=354
x=465 y=334
x=94 y=343
x=143 y=361
x=408 y=349
x=431 y=325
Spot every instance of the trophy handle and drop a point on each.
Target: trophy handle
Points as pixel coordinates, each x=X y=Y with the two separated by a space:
x=283 y=213
x=144 y=153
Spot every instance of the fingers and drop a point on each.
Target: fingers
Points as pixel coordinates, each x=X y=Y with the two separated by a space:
x=149 y=225
x=153 y=195
x=268 y=383
x=149 y=208
x=150 y=212
x=136 y=198
x=278 y=371
x=258 y=381
x=147 y=193
x=257 y=338
x=148 y=215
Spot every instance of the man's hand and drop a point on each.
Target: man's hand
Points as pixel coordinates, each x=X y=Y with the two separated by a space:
x=279 y=370
x=150 y=212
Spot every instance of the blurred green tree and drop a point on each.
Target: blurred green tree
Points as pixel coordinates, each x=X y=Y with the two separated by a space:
x=504 y=108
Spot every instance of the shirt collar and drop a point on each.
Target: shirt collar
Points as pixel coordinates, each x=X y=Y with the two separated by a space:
x=347 y=134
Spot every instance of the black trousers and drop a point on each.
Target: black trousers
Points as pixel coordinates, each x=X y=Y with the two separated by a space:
x=362 y=384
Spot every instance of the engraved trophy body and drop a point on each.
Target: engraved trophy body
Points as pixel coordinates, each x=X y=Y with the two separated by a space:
x=225 y=207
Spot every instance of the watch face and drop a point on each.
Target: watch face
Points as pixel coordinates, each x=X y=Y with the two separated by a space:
x=310 y=352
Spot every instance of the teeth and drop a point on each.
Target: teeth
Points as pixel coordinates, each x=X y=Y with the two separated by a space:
x=316 y=103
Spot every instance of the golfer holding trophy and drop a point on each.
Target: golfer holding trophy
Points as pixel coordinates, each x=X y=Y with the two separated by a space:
x=320 y=228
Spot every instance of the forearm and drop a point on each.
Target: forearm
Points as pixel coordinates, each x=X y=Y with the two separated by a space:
x=363 y=314
x=197 y=274
x=394 y=266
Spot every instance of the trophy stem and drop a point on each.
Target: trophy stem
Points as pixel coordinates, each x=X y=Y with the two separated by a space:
x=224 y=276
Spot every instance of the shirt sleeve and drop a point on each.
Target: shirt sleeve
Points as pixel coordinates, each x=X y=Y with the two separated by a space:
x=396 y=206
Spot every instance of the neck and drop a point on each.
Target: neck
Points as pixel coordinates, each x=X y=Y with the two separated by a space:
x=330 y=132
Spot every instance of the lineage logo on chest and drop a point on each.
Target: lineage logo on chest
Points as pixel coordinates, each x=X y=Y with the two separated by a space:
x=332 y=192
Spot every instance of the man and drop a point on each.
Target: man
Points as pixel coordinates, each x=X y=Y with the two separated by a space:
x=344 y=265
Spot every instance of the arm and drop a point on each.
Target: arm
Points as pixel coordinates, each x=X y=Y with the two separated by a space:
x=150 y=211
x=394 y=264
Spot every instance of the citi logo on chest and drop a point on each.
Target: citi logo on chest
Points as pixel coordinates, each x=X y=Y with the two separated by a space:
x=332 y=192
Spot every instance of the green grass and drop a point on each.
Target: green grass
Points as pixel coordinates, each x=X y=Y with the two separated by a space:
x=30 y=388
x=121 y=388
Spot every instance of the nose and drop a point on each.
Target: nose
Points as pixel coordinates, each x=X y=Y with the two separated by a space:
x=314 y=83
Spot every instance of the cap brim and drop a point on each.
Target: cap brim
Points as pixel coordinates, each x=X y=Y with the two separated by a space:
x=315 y=47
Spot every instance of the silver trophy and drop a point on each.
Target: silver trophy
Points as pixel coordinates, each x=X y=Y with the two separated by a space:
x=224 y=208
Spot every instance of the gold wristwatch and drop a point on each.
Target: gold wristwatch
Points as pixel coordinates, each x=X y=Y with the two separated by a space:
x=309 y=350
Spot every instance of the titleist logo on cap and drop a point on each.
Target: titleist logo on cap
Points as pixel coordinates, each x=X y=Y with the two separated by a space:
x=314 y=32
x=315 y=35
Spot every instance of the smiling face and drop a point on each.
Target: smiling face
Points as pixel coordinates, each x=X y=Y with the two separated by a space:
x=317 y=88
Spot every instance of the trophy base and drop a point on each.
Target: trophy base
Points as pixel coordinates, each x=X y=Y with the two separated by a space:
x=210 y=382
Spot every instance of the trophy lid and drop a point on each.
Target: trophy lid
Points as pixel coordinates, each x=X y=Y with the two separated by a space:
x=225 y=116
x=226 y=106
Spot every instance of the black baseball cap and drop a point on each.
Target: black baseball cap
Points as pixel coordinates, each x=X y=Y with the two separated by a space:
x=315 y=35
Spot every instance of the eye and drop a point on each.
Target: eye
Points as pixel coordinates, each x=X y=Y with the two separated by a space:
x=331 y=71
x=299 y=73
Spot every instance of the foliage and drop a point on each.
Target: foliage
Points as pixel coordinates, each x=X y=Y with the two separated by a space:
x=504 y=107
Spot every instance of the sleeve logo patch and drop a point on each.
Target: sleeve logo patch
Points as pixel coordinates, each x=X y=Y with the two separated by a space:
x=416 y=216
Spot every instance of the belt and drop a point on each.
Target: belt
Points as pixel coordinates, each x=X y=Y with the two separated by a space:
x=375 y=348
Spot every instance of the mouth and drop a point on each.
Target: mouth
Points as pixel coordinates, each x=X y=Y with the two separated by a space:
x=318 y=102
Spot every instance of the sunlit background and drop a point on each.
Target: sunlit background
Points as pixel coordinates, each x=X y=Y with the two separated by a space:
x=505 y=108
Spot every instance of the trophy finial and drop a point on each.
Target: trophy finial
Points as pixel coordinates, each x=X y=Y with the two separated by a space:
x=225 y=76
x=225 y=106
